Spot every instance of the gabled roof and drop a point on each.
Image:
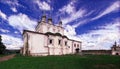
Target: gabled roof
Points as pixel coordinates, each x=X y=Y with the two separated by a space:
x=49 y=33
x=31 y=32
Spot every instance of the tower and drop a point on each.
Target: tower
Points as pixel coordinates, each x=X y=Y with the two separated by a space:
x=41 y=24
x=115 y=44
x=50 y=21
x=60 y=23
x=43 y=19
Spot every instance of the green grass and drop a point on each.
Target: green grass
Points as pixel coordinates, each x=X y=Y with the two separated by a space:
x=2 y=55
x=63 y=62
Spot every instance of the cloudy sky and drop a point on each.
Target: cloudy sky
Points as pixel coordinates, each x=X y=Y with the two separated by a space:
x=94 y=22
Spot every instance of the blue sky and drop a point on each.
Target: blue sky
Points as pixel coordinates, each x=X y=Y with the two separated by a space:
x=94 y=22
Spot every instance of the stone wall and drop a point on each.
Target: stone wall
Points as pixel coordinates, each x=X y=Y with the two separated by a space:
x=96 y=52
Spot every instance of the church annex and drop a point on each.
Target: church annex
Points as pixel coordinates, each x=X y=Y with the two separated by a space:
x=115 y=49
x=48 y=39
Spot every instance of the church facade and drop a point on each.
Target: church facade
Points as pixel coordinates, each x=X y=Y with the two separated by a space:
x=115 y=49
x=48 y=39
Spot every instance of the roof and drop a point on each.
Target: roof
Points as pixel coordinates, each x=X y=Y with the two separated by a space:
x=49 y=33
x=31 y=32
x=75 y=40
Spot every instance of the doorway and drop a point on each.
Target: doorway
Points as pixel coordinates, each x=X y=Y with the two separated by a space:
x=77 y=50
x=117 y=53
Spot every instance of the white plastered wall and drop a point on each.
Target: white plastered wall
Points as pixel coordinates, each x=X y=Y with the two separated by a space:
x=37 y=44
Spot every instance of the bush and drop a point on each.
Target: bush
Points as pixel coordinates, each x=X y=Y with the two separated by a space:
x=2 y=46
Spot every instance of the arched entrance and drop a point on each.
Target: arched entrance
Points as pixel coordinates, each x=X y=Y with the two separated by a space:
x=77 y=50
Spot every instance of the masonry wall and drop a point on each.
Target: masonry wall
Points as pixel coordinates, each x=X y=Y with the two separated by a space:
x=96 y=52
x=37 y=46
x=25 y=44
x=116 y=51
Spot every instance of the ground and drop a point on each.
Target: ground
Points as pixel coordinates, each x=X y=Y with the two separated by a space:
x=63 y=62
x=6 y=57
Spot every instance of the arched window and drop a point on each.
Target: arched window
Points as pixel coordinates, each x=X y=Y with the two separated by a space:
x=78 y=45
x=74 y=45
x=59 y=42
x=65 y=43
x=50 y=41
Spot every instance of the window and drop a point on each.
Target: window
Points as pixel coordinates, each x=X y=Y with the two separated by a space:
x=115 y=49
x=78 y=45
x=59 y=42
x=74 y=45
x=65 y=43
x=50 y=41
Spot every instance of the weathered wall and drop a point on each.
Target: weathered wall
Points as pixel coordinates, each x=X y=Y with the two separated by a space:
x=37 y=44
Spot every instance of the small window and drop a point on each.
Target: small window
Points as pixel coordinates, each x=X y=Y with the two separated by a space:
x=50 y=41
x=59 y=42
x=65 y=43
x=115 y=49
x=68 y=46
x=77 y=45
x=74 y=45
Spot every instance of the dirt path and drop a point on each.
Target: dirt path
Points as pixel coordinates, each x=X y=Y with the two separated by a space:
x=5 y=58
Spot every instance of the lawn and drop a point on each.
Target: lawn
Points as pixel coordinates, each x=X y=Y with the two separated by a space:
x=63 y=62
x=1 y=55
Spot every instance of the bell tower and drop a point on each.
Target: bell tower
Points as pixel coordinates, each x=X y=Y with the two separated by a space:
x=50 y=21
x=41 y=24
x=43 y=19
x=60 y=23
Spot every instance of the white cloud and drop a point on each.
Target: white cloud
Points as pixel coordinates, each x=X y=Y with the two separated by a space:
x=16 y=32
x=69 y=8
x=97 y=39
x=102 y=38
x=71 y=11
x=83 y=21
x=74 y=16
x=43 y=5
x=14 y=9
x=3 y=15
x=10 y=2
x=21 y=21
x=11 y=42
x=4 y=30
x=70 y=33
x=49 y=1
x=115 y=6
x=69 y=30
x=80 y=23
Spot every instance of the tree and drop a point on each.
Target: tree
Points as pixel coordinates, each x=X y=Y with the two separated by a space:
x=2 y=46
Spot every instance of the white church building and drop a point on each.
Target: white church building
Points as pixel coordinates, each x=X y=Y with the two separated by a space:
x=48 y=39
